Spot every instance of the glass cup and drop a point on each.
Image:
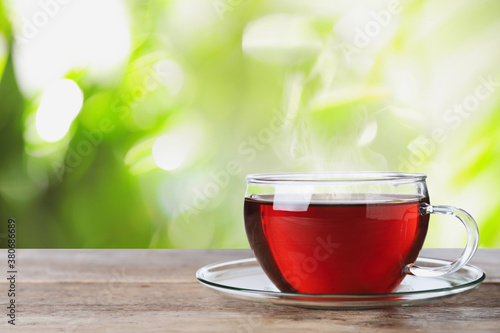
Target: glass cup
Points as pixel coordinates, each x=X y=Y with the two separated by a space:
x=344 y=233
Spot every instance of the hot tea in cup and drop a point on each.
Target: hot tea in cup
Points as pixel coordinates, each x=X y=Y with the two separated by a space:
x=344 y=233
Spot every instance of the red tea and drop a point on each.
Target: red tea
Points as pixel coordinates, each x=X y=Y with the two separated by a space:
x=352 y=246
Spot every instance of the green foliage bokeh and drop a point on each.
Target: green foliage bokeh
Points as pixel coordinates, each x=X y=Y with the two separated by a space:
x=265 y=86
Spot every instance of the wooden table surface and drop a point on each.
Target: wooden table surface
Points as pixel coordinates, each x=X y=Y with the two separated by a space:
x=156 y=291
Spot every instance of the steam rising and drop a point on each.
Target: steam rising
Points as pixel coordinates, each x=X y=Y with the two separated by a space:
x=330 y=121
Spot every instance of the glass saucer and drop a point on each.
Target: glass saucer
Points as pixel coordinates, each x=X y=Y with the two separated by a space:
x=245 y=280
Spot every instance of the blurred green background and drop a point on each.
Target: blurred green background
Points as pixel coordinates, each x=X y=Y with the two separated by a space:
x=132 y=124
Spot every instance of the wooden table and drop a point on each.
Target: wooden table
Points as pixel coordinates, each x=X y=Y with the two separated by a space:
x=156 y=291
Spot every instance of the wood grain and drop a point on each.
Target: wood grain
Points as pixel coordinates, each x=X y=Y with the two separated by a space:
x=156 y=291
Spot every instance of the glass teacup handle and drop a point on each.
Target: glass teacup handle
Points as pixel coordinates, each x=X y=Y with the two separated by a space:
x=470 y=248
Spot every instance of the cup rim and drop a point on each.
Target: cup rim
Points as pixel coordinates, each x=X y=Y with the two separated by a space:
x=335 y=177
